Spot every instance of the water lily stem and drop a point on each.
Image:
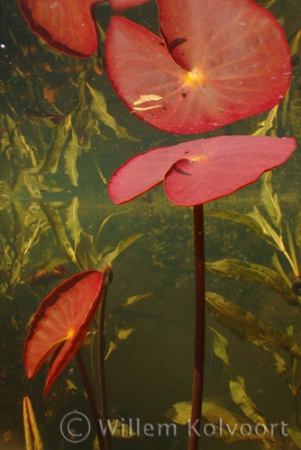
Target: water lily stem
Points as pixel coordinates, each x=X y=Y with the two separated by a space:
x=199 y=349
x=107 y=271
x=91 y=399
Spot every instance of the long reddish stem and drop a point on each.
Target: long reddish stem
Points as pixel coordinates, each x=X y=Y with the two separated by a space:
x=199 y=348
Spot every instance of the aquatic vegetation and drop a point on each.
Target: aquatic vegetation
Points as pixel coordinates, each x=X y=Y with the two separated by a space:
x=207 y=70
x=58 y=118
x=68 y=26
x=267 y=225
x=67 y=312
x=183 y=96
x=200 y=171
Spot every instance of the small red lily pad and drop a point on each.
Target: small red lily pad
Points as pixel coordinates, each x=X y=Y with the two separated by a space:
x=214 y=65
x=199 y=171
x=67 y=25
x=61 y=323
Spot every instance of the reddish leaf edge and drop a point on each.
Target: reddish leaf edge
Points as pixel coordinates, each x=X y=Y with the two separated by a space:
x=40 y=314
x=174 y=165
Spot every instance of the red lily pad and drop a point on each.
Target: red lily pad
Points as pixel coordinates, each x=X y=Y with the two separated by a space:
x=124 y=4
x=202 y=170
x=61 y=323
x=214 y=65
x=67 y=26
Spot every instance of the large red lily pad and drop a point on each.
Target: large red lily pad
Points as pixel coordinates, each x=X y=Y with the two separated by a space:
x=67 y=25
x=214 y=65
x=202 y=170
x=61 y=323
x=124 y=4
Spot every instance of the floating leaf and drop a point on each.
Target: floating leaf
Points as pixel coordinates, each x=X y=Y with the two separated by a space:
x=61 y=323
x=123 y=4
x=65 y=25
x=68 y=25
x=72 y=222
x=255 y=272
x=199 y=171
x=208 y=69
x=243 y=324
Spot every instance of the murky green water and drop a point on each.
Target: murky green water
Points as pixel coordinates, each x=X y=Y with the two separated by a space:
x=149 y=367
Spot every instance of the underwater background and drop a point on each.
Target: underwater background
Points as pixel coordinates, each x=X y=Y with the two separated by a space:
x=149 y=343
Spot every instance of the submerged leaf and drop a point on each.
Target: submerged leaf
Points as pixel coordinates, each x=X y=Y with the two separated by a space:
x=99 y=108
x=237 y=268
x=298 y=231
x=56 y=147
x=179 y=413
x=120 y=429
x=83 y=257
x=72 y=222
x=243 y=324
x=33 y=439
x=109 y=257
x=59 y=230
x=4 y=195
x=295 y=434
x=71 y=153
x=237 y=383
x=270 y=200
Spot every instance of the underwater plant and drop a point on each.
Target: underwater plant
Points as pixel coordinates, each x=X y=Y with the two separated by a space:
x=195 y=87
x=59 y=327
x=203 y=78
x=207 y=70
x=68 y=25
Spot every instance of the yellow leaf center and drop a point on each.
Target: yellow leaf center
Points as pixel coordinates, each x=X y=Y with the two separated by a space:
x=194 y=78
x=71 y=333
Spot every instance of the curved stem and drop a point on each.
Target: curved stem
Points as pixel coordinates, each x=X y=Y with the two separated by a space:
x=107 y=271
x=91 y=398
x=199 y=349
